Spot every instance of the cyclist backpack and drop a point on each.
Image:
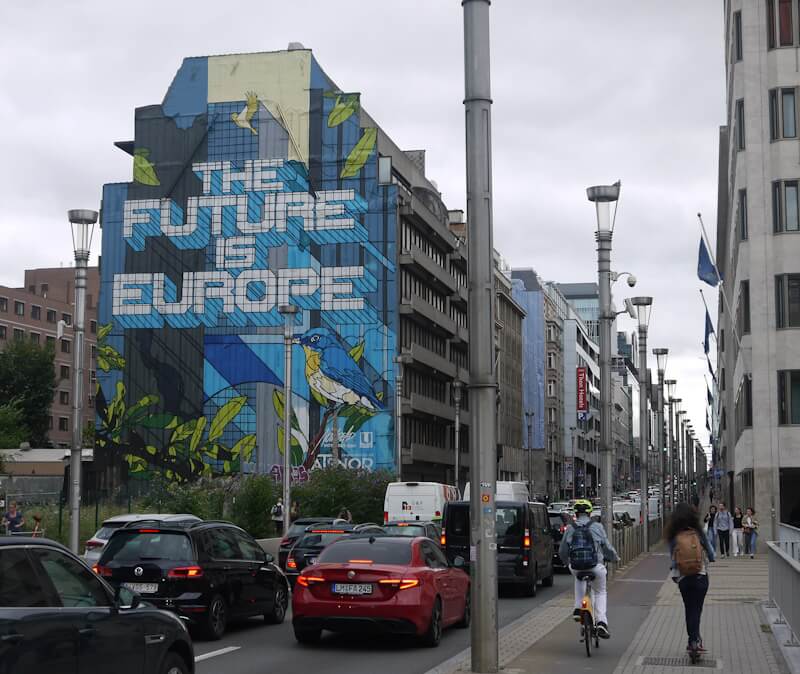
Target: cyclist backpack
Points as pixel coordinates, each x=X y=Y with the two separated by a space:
x=688 y=553
x=582 y=550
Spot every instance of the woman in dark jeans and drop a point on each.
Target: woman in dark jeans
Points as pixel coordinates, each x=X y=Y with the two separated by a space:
x=693 y=588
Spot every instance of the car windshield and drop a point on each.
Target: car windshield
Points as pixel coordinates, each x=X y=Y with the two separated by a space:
x=131 y=545
x=508 y=522
x=318 y=539
x=368 y=550
x=404 y=529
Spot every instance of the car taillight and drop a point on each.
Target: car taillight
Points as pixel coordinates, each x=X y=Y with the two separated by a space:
x=102 y=571
x=442 y=540
x=438 y=513
x=563 y=528
x=526 y=541
x=305 y=581
x=385 y=517
x=400 y=583
x=185 y=572
x=291 y=563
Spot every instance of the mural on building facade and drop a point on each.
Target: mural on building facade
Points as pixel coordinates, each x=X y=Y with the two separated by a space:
x=254 y=186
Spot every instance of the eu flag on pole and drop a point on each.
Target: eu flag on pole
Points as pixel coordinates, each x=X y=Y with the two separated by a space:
x=706 y=271
x=709 y=396
x=709 y=331
x=711 y=369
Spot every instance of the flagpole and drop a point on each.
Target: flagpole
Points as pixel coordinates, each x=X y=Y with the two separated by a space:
x=719 y=279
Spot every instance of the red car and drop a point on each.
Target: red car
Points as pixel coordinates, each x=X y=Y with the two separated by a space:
x=392 y=584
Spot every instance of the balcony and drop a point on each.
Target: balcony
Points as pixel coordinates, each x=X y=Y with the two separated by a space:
x=417 y=403
x=431 y=454
x=415 y=256
x=416 y=307
x=432 y=360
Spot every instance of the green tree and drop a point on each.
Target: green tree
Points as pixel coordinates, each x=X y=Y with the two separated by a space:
x=12 y=426
x=330 y=489
x=27 y=376
x=253 y=503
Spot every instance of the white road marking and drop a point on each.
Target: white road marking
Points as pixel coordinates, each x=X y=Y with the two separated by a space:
x=214 y=654
x=637 y=580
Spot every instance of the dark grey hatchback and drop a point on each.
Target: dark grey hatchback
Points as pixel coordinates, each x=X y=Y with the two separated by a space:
x=57 y=617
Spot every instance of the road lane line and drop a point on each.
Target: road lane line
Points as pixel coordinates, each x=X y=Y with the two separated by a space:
x=214 y=654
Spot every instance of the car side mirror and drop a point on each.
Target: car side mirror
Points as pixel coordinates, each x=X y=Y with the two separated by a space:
x=458 y=562
x=268 y=558
x=126 y=599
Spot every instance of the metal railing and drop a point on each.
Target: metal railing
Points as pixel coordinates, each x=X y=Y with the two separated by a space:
x=786 y=532
x=629 y=541
x=784 y=580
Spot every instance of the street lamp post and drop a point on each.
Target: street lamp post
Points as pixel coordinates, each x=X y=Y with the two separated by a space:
x=689 y=459
x=603 y=196
x=82 y=224
x=458 y=387
x=401 y=361
x=661 y=361
x=529 y=421
x=670 y=385
x=288 y=311
x=681 y=455
x=643 y=307
x=483 y=378
x=574 y=462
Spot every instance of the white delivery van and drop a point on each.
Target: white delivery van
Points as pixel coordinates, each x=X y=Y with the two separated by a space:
x=507 y=491
x=417 y=501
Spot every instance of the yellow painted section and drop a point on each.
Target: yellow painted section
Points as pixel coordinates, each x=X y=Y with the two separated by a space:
x=282 y=82
x=312 y=361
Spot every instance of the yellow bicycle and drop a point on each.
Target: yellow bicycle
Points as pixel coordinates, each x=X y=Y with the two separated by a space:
x=588 y=629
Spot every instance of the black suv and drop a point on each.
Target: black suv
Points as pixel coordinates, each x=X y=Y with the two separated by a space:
x=56 y=616
x=316 y=539
x=296 y=529
x=207 y=572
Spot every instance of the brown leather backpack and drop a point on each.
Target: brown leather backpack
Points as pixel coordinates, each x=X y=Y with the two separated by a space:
x=688 y=553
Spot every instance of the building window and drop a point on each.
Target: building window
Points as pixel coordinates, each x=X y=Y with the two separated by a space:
x=551 y=389
x=782 y=113
x=67 y=318
x=2 y=332
x=785 y=210
x=65 y=346
x=19 y=335
x=36 y=312
x=744 y=406
x=63 y=423
x=93 y=352
x=722 y=379
x=50 y=341
x=743 y=308
x=93 y=327
x=92 y=376
x=45 y=288
x=789 y=397
x=742 y=215
x=35 y=336
x=740 y=124
x=63 y=397
x=65 y=371
x=787 y=301
x=771 y=24
x=51 y=316
x=19 y=308
x=737 y=36
x=4 y=304
x=722 y=340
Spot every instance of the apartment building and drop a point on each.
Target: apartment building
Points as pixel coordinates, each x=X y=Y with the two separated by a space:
x=758 y=255
x=33 y=313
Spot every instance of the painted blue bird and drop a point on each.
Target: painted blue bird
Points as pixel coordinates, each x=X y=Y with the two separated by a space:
x=332 y=372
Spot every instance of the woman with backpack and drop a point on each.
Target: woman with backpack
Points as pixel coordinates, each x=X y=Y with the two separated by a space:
x=690 y=550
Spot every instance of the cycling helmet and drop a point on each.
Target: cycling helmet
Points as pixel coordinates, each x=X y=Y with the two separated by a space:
x=583 y=505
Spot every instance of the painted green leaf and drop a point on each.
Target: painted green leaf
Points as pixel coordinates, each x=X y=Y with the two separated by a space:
x=357 y=351
x=183 y=431
x=297 y=455
x=277 y=402
x=344 y=107
x=104 y=331
x=295 y=447
x=244 y=447
x=158 y=421
x=136 y=464
x=224 y=416
x=359 y=154
x=116 y=408
x=108 y=358
x=319 y=398
x=138 y=410
x=143 y=170
x=151 y=450
x=212 y=452
x=198 y=434
x=379 y=395
x=173 y=423
x=226 y=467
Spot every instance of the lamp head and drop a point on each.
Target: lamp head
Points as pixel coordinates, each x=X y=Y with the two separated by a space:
x=670 y=384
x=661 y=359
x=643 y=306
x=603 y=196
x=81 y=222
x=458 y=387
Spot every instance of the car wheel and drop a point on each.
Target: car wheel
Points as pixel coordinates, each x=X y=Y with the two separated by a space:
x=306 y=635
x=467 y=617
x=531 y=587
x=216 y=618
x=433 y=634
x=279 y=605
x=174 y=664
x=548 y=581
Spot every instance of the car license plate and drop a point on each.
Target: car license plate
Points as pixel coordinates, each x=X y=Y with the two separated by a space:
x=352 y=588
x=142 y=588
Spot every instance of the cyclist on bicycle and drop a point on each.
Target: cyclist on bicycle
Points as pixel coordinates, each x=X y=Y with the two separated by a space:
x=581 y=548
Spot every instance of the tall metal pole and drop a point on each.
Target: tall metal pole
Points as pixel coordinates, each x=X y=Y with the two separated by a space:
x=574 y=462
x=643 y=433
x=401 y=362
x=483 y=382
x=529 y=420
x=82 y=223
x=457 y=386
x=288 y=311
x=660 y=435
x=671 y=455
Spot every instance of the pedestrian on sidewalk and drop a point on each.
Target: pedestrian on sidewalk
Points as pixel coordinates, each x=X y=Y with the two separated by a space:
x=708 y=520
x=738 y=540
x=277 y=516
x=584 y=548
x=723 y=525
x=750 y=531
x=690 y=550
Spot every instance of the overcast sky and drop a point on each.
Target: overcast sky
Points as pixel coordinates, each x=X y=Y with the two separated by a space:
x=585 y=92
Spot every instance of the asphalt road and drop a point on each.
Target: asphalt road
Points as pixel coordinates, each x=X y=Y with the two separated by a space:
x=254 y=647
